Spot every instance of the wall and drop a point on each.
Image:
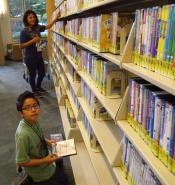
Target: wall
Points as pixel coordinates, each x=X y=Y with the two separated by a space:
x=5 y=24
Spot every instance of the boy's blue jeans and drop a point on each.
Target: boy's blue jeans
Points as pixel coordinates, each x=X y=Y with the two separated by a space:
x=59 y=178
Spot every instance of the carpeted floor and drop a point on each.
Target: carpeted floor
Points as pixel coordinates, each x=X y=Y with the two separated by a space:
x=11 y=85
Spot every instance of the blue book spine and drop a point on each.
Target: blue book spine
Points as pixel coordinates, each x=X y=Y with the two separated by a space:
x=172 y=48
x=172 y=138
x=130 y=90
x=126 y=146
x=145 y=104
x=151 y=128
x=135 y=28
x=149 y=110
x=157 y=28
x=162 y=127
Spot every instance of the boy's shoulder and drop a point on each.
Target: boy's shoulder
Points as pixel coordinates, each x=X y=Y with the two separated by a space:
x=22 y=129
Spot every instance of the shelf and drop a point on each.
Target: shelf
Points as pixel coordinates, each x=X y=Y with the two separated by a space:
x=63 y=80
x=153 y=77
x=93 y=6
x=162 y=172
x=120 y=176
x=75 y=85
x=69 y=132
x=112 y=137
x=102 y=170
x=65 y=122
x=113 y=5
x=59 y=3
x=111 y=105
x=116 y=59
x=97 y=5
x=73 y=64
x=82 y=167
x=57 y=90
x=74 y=108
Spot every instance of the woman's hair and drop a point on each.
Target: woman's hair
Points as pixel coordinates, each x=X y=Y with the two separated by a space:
x=22 y=97
x=26 y=14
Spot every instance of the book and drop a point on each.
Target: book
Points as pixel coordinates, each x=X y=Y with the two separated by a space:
x=64 y=148
x=56 y=137
x=135 y=168
x=120 y=28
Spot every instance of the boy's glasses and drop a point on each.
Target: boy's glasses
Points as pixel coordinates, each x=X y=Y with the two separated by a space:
x=30 y=108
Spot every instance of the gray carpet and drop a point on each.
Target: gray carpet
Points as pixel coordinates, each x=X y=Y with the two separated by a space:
x=11 y=85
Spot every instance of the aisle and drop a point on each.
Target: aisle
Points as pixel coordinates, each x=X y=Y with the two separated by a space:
x=11 y=85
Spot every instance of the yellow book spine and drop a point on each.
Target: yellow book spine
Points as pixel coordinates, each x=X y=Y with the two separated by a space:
x=105 y=32
x=155 y=147
x=173 y=168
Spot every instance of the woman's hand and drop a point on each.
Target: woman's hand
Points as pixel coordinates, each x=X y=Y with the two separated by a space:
x=36 y=39
x=57 y=17
x=29 y=43
x=51 y=158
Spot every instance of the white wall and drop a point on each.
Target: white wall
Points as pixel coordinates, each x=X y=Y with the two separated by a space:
x=5 y=25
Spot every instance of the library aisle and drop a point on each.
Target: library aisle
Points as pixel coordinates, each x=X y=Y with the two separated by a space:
x=11 y=85
x=113 y=65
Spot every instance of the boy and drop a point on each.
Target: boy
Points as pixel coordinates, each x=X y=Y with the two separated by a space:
x=31 y=145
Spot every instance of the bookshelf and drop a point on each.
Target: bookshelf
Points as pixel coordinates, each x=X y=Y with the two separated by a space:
x=106 y=165
x=155 y=78
x=102 y=169
x=156 y=165
x=116 y=59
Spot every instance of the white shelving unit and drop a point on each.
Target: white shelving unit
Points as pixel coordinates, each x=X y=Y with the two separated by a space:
x=155 y=78
x=111 y=104
x=98 y=160
x=90 y=7
x=112 y=136
x=105 y=168
x=120 y=176
x=161 y=171
x=116 y=59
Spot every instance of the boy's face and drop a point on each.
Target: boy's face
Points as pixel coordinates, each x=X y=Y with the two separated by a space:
x=30 y=110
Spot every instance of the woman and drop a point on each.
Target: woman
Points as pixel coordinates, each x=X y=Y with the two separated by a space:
x=30 y=41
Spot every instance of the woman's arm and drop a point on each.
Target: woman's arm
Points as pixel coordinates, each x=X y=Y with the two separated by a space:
x=30 y=42
x=48 y=26
x=36 y=162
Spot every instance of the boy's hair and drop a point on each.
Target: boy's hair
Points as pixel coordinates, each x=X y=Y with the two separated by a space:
x=22 y=97
x=26 y=14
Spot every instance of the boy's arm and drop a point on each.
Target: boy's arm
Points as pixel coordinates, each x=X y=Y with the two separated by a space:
x=36 y=162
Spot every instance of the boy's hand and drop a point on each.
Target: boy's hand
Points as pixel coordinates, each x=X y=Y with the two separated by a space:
x=51 y=158
x=50 y=142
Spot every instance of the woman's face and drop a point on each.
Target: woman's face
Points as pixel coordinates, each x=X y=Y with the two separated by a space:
x=31 y=20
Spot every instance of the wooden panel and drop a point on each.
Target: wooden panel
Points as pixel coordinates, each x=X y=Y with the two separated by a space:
x=2 y=61
x=50 y=7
